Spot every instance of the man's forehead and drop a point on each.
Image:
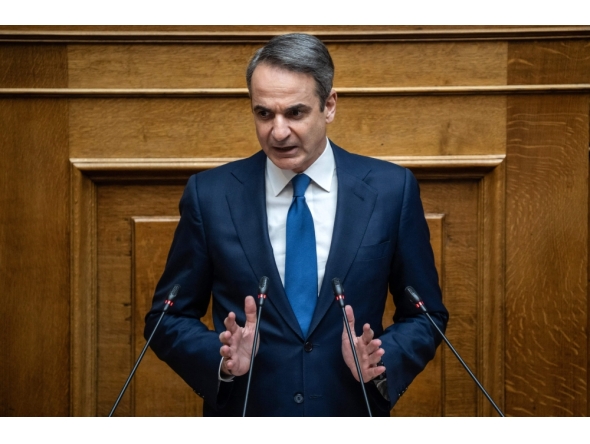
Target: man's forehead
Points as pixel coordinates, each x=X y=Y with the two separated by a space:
x=274 y=86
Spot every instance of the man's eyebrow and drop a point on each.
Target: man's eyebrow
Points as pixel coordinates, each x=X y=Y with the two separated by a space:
x=299 y=107
x=260 y=108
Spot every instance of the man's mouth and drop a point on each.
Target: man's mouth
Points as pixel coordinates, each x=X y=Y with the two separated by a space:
x=285 y=148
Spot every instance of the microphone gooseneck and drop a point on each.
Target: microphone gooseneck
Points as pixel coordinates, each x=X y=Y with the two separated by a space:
x=339 y=295
x=262 y=290
x=417 y=301
x=169 y=302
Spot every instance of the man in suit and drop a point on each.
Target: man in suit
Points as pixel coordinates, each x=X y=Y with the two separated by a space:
x=301 y=211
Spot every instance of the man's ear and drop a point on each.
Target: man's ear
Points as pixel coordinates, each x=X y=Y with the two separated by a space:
x=330 y=108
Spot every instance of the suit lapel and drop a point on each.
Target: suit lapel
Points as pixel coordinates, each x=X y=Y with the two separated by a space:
x=356 y=201
x=247 y=206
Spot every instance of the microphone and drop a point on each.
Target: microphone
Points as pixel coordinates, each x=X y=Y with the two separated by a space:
x=167 y=303
x=417 y=301
x=339 y=294
x=262 y=289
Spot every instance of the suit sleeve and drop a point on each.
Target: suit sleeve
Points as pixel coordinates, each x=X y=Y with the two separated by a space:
x=182 y=340
x=410 y=343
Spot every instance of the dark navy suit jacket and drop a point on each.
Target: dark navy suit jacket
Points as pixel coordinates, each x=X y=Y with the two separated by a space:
x=221 y=248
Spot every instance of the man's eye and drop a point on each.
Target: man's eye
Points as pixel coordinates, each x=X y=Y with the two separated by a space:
x=263 y=114
x=296 y=113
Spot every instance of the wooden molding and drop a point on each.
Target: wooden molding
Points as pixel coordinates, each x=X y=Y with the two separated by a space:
x=170 y=169
x=262 y=35
x=83 y=297
x=579 y=88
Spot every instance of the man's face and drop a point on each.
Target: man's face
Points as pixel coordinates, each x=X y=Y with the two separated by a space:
x=290 y=127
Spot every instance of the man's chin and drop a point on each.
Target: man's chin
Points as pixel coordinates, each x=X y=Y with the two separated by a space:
x=287 y=163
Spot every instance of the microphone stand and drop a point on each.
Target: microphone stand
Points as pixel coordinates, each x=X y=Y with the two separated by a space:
x=339 y=294
x=167 y=303
x=416 y=300
x=262 y=289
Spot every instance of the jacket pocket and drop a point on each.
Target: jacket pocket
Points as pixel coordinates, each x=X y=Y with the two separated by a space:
x=370 y=252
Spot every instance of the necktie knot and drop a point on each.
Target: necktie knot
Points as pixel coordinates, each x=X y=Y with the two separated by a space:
x=300 y=184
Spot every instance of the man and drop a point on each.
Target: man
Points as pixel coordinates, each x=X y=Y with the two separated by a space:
x=262 y=216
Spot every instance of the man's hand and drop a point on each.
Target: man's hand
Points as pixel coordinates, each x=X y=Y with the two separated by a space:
x=237 y=341
x=369 y=350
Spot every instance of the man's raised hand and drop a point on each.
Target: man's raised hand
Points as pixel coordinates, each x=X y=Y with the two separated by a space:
x=237 y=341
x=369 y=350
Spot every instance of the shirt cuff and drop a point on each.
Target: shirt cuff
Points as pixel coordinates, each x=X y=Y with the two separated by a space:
x=223 y=378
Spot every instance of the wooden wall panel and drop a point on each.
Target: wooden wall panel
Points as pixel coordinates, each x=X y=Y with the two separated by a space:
x=518 y=261
x=424 y=64
x=546 y=281
x=548 y=62
x=546 y=249
x=421 y=126
x=34 y=249
x=224 y=66
x=156 y=390
x=208 y=127
x=223 y=127
x=132 y=251
x=33 y=66
x=425 y=396
x=159 y=66
x=117 y=205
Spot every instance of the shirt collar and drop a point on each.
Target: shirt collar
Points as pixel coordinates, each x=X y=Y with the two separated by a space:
x=321 y=172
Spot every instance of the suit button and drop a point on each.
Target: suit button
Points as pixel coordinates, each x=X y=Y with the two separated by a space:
x=308 y=346
x=298 y=398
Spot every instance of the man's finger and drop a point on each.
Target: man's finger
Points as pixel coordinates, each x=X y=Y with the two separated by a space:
x=224 y=337
x=230 y=322
x=367 y=334
x=250 y=309
x=373 y=372
x=373 y=346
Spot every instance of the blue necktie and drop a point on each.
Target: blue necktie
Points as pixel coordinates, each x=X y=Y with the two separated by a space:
x=301 y=266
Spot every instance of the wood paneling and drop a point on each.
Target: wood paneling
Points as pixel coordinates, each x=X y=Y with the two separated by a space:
x=425 y=396
x=546 y=247
x=159 y=66
x=223 y=66
x=261 y=34
x=34 y=248
x=173 y=128
x=33 y=66
x=116 y=207
x=185 y=127
x=132 y=249
x=427 y=126
x=156 y=389
x=83 y=278
x=546 y=282
x=426 y=64
x=549 y=62
x=78 y=165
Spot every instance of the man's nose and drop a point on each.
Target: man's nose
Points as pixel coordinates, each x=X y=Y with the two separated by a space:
x=280 y=128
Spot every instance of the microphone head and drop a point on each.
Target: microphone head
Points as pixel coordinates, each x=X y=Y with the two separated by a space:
x=263 y=285
x=412 y=295
x=174 y=292
x=415 y=299
x=337 y=287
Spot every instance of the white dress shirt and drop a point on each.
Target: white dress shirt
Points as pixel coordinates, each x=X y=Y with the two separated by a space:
x=321 y=197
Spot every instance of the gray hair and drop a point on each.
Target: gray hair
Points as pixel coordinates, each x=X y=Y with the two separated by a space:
x=302 y=53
